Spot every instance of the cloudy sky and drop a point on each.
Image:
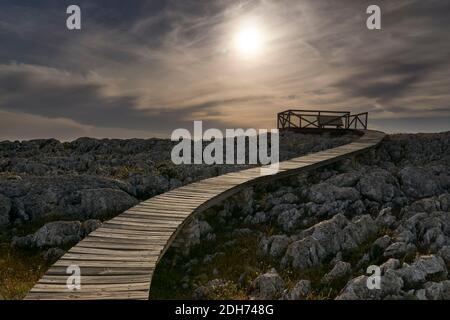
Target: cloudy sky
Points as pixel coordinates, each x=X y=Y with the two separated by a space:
x=144 y=68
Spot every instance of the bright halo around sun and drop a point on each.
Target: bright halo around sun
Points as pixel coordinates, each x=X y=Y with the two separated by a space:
x=249 y=41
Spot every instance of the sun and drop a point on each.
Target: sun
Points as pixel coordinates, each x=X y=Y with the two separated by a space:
x=249 y=41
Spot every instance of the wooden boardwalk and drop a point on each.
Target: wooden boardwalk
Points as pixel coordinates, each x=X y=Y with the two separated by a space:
x=118 y=259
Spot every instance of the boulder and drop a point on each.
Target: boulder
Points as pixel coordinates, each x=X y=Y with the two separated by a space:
x=378 y=185
x=52 y=234
x=290 y=220
x=418 y=182
x=385 y=219
x=390 y=264
x=274 y=246
x=444 y=201
x=348 y=179
x=52 y=255
x=444 y=253
x=325 y=192
x=326 y=239
x=103 y=202
x=357 y=288
x=424 y=268
x=429 y=231
x=399 y=250
x=191 y=235
x=300 y=291
x=437 y=290
x=340 y=271
x=267 y=286
x=90 y=225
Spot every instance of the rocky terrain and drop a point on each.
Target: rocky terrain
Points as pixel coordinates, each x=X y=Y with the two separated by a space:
x=314 y=236
x=311 y=236
x=52 y=194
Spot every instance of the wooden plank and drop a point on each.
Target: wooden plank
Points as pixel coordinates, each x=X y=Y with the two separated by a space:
x=100 y=264
x=100 y=239
x=91 y=288
x=112 y=252
x=109 y=257
x=61 y=279
x=119 y=225
x=90 y=296
x=132 y=232
x=102 y=271
x=137 y=238
x=118 y=246
x=143 y=221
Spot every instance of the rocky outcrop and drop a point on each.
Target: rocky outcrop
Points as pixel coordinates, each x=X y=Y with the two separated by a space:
x=267 y=286
x=340 y=271
x=191 y=235
x=68 y=196
x=56 y=234
x=300 y=291
x=274 y=246
x=326 y=239
x=357 y=288
x=424 y=268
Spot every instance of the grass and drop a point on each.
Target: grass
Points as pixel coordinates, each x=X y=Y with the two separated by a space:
x=19 y=271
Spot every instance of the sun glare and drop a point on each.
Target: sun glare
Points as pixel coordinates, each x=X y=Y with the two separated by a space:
x=249 y=41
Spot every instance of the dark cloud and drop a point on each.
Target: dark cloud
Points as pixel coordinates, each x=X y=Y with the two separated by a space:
x=387 y=80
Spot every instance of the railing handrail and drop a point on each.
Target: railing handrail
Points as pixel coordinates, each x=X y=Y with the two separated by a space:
x=284 y=118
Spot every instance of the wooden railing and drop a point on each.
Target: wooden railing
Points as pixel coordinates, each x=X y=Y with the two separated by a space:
x=321 y=119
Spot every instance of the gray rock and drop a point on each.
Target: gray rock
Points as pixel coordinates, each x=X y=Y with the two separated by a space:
x=259 y=217
x=340 y=271
x=290 y=219
x=382 y=243
x=357 y=289
x=422 y=269
x=191 y=235
x=338 y=257
x=52 y=234
x=425 y=205
x=267 y=286
x=104 y=202
x=437 y=290
x=286 y=198
x=429 y=231
x=378 y=185
x=418 y=182
x=278 y=245
x=420 y=294
x=399 y=250
x=444 y=200
x=53 y=254
x=90 y=225
x=385 y=218
x=390 y=264
x=325 y=192
x=348 y=179
x=326 y=239
x=300 y=291
x=444 y=253
x=5 y=208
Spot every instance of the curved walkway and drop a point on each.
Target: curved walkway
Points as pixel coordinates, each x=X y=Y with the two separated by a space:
x=118 y=259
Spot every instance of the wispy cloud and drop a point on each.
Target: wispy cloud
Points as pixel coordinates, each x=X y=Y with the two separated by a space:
x=153 y=66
